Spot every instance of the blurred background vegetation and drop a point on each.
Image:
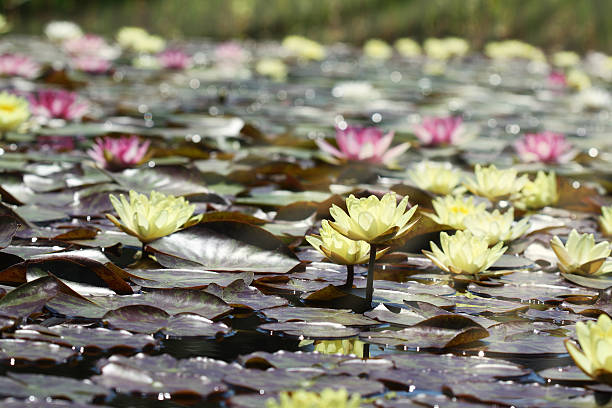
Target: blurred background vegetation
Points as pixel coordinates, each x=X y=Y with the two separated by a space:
x=553 y=24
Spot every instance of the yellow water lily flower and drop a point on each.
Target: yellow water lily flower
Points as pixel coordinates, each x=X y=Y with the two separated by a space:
x=407 y=47
x=595 y=339
x=578 y=80
x=564 y=59
x=445 y=48
x=378 y=49
x=605 y=221
x=345 y=347
x=580 y=254
x=463 y=253
x=510 y=49
x=304 y=47
x=452 y=210
x=340 y=249
x=328 y=398
x=494 y=227
x=153 y=217
x=439 y=178
x=138 y=39
x=14 y=110
x=272 y=67
x=538 y=193
x=494 y=183
x=372 y=220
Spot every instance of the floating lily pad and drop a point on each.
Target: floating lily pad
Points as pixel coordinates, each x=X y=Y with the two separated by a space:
x=87 y=339
x=34 y=351
x=307 y=314
x=225 y=246
x=150 y=320
x=44 y=386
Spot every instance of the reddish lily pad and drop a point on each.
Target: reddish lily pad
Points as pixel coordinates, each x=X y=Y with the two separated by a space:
x=87 y=340
x=150 y=320
x=239 y=295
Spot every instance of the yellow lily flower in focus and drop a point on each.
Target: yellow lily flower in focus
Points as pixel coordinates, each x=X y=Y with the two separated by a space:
x=328 y=398
x=372 y=220
x=150 y=218
x=605 y=220
x=463 y=253
x=580 y=254
x=595 y=339
x=452 y=210
x=345 y=347
x=340 y=249
x=495 y=227
x=495 y=184
x=538 y=193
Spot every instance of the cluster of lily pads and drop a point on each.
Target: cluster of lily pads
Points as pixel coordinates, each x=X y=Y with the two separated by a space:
x=177 y=219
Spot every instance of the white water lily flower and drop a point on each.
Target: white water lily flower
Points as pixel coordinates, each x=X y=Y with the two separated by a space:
x=61 y=31
x=150 y=218
x=580 y=254
x=328 y=398
x=439 y=178
x=595 y=339
x=538 y=193
x=495 y=184
x=372 y=220
x=605 y=221
x=452 y=210
x=494 y=227
x=340 y=249
x=463 y=253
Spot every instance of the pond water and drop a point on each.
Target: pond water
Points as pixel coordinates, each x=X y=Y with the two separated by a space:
x=238 y=308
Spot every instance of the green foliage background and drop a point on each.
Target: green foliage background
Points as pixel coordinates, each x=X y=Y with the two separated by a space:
x=553 y=24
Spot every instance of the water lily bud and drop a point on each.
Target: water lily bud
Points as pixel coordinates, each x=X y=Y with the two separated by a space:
x=580 y=254
x=463 y=253
x=372 y=220
x=596 y=342
x=153 y=217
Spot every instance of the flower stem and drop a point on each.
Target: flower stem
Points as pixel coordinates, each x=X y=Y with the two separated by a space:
x=350 y=274
x=370 y=284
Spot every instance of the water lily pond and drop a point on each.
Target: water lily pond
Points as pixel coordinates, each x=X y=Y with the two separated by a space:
x=204 y=224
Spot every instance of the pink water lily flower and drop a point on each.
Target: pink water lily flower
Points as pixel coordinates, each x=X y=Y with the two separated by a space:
x=119 y=153
x=230 y=53
x=57 y=104
x=18 y=65
x=367 y=144
x=174 y=59
x=557 y=79
x=91 y=64
x=89 y=44
x=545 y=147
x=435 y=131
